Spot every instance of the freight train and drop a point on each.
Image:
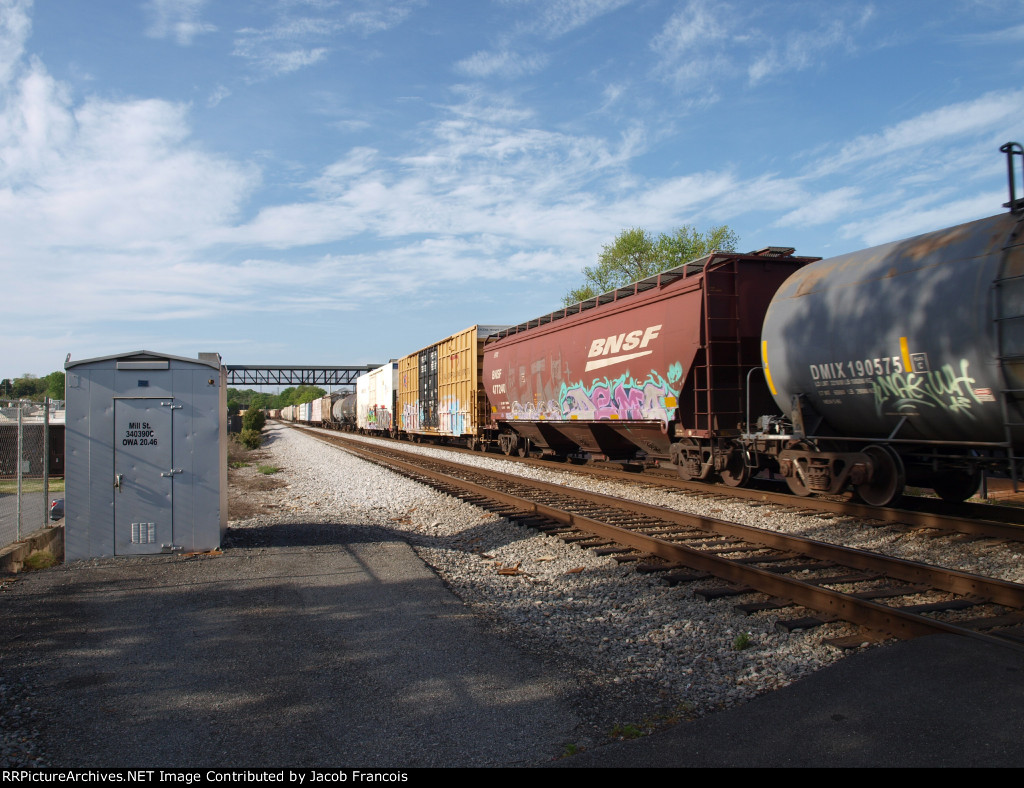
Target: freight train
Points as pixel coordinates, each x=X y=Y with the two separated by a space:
x=900 y=364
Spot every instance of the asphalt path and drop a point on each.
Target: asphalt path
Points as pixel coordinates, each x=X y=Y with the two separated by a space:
x=331 y=646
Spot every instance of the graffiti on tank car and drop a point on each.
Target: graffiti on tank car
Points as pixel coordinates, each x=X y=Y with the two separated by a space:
x=623 y=398
x=948 y=388
x=611 y=347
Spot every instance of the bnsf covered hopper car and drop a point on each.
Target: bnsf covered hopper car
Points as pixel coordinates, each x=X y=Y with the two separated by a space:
x=633 y=373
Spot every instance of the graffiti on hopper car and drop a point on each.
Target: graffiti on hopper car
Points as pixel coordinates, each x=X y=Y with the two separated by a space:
x=535 y=411
x=625 y=397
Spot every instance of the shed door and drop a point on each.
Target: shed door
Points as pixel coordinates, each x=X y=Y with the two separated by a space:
x=143 y=476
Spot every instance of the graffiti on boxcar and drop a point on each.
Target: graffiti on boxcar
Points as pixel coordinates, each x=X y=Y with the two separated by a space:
x=378 y=418
x=948 y=388
x=623 y=398
x=411 y=416
x=453 y=419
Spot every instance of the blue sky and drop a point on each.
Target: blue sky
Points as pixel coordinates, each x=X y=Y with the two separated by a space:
x=346 y=181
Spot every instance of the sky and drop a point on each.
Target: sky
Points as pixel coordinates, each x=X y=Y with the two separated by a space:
x=347 y=181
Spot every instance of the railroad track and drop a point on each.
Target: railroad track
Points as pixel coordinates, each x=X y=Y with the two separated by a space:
x=916 y=514
x=883 y=595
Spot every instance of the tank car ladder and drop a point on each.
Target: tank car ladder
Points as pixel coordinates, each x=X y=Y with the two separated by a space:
x=1015 y=316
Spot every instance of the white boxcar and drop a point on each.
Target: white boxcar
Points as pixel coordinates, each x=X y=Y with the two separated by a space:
x=375 y=398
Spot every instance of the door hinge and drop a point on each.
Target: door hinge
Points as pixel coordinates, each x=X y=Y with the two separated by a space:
x=171 y=405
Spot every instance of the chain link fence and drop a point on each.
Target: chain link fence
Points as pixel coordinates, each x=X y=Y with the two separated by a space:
x=31 y=465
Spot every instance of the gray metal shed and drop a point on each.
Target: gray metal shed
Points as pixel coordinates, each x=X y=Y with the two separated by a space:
x=146 y=454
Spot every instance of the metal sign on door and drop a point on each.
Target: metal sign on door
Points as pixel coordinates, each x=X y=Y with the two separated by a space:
x=143 y=476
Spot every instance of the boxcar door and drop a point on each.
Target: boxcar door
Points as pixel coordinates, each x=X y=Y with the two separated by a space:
x=143 y=476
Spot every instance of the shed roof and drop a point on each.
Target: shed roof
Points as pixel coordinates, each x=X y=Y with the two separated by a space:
x=206 y=359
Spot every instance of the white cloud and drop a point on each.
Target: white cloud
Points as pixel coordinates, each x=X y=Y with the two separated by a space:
x=1007 y=35
x=699 y=23
x=15 y=28
x=177 y=19
x=823 y=208
x=98 y=200
x=913 y=217
x=280 y=50
x=559 y=17
x=804 y=48
x=502 y=63
x=219 y=93
x=376 y=17
x=690 y=47
x=295 y=41
x=982 y=115
x=708 y=44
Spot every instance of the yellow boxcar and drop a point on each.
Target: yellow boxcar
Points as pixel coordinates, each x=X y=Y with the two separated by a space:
x=440 y=394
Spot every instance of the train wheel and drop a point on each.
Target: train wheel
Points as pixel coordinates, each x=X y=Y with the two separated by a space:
x=798 y=485
x=888 y=479
x=955 y=485
x=524 y=448
x=736 y=473
x=688 y=468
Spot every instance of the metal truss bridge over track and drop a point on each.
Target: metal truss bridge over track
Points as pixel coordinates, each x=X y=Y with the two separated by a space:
x=251 y=375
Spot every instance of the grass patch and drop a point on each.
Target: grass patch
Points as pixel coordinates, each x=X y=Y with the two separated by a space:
x=239 y=464
x=627 y=731
x=572 y=749
x=40 y=560
x=742 y=641
x=267 y=470
x=34 y=485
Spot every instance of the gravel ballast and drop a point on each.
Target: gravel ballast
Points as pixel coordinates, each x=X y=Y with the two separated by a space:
x=657 y=651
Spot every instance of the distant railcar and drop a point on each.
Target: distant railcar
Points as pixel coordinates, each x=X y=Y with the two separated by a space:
x=440 y=396
x=376 y=396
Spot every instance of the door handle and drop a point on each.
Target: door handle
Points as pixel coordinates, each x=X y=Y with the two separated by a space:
x=118 y=478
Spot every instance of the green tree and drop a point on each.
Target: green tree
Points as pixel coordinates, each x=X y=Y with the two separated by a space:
x=261 y=399
x=636 y=254
x=254 y=419
x=55 y=385
x=28 y=386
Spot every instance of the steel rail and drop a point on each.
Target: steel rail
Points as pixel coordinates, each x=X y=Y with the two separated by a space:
x=849 y=607
x=977 y=524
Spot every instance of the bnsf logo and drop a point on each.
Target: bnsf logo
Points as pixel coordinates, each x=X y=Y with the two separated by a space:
x=623 y=342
